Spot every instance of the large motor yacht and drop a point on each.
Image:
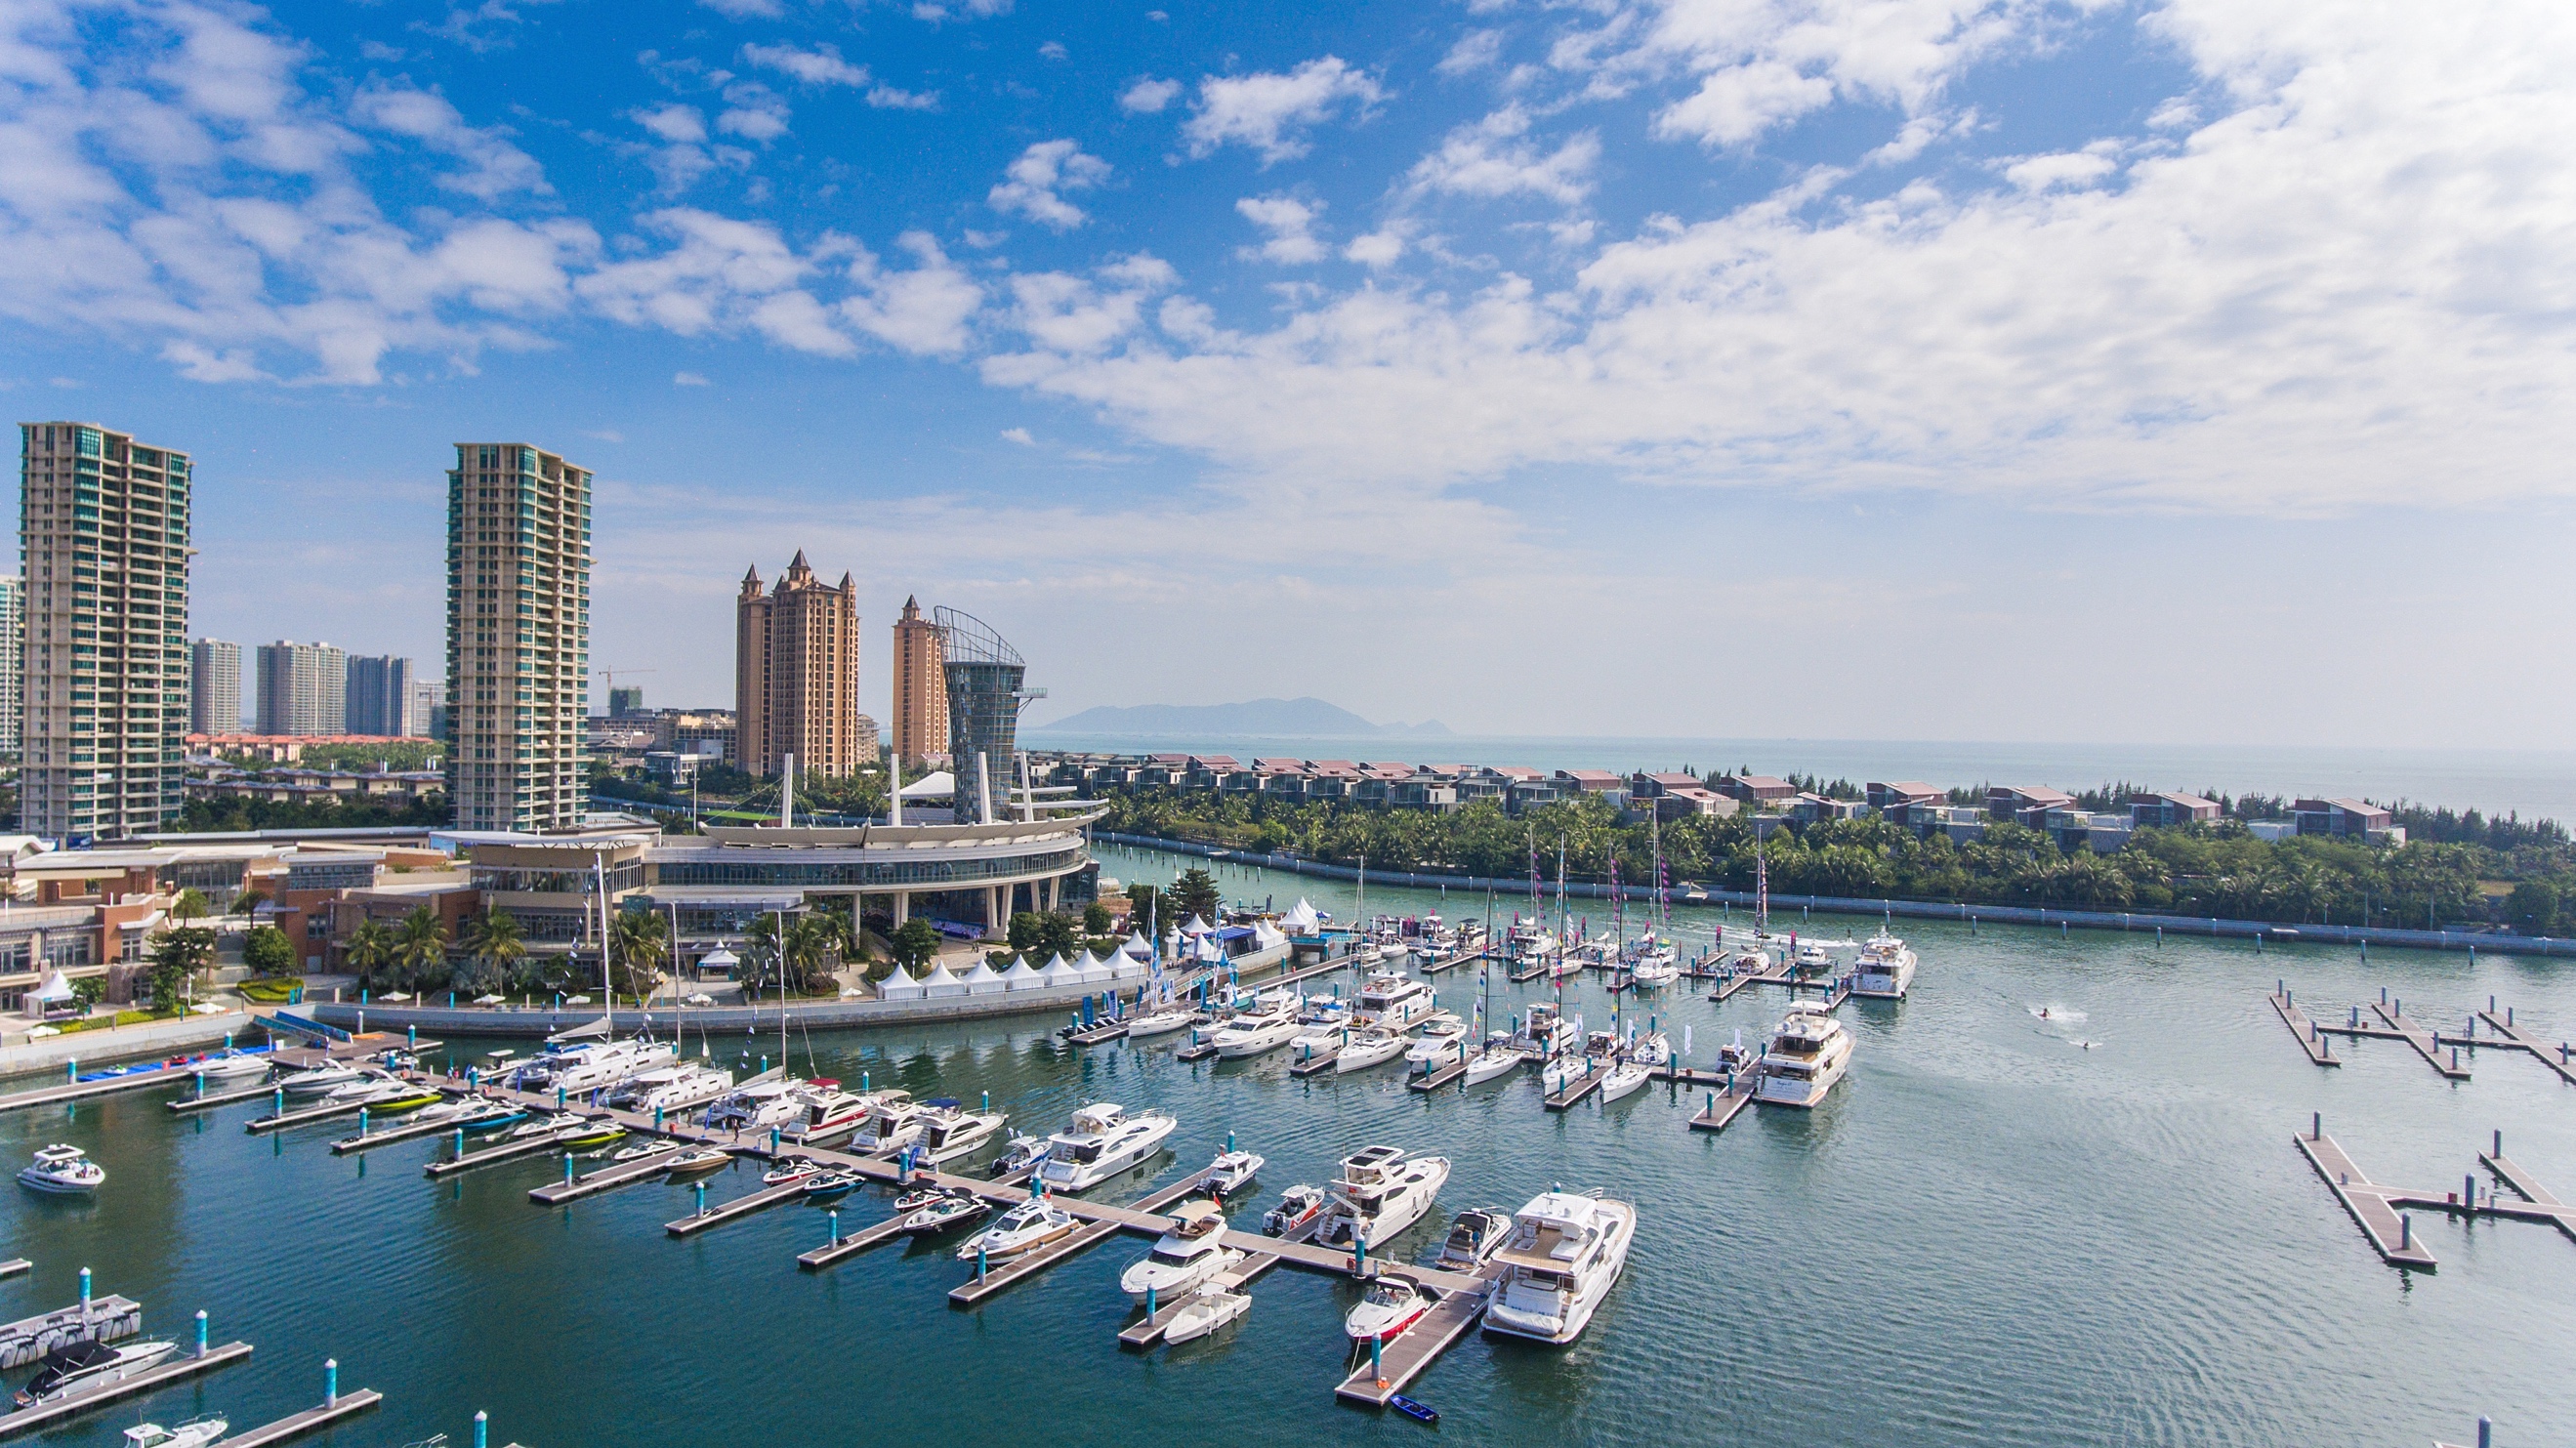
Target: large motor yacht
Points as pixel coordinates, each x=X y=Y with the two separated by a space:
x=1380 y=1192
x=1102 y=1142
x=1397 y=1001
x=1885 y=969
x=1808 y=1054
x=1190 y=1253
x=758 y=1104
x=828 y=1112
x=1564 y=1254
x=62 y=1171
x=671 y=1088
x=1373 y=1047
x=1268 y=1026
x=894 y=1121
x=948 y=1131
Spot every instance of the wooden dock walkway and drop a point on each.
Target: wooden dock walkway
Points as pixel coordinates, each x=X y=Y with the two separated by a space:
x=738 y=1208
x=1724 y=1106
x=1098 y=1033
x=1452 y=961
x=607 y=1178
x=15 y=1266
x=109 y=1319
x=508 y=1151
x=2423 y=1040
x=1524 y=977
x=1402 y=1358
x=2516 y=1039
x=84 y=1090
x=311 y=1420
x=1143 y=1214
x=185 y=1104
x=327 y=1111
x=851 y=1246
x=47 y=1415
x=1575 y=1090
x=1144 y=1332
x=1433 y=1081
x=2369 y=1203
x=2310 y=1038
x=412 y=1130
x=1308 y=1065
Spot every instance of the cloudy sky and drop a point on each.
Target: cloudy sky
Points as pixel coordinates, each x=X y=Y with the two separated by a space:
x=2194 y=371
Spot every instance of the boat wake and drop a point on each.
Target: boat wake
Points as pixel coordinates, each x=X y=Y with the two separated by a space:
x=2057 y=1013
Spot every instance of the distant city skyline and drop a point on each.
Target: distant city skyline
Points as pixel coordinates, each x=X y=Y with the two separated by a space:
x=2081 y=373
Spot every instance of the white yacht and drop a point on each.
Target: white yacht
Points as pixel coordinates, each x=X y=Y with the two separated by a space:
x=1397 y=1001
x=1474 y=1236
x=894 y=1121
x=194 y=1433
x=1564 y=1255
x=1380 y=1192
x=314 y=1080
x=1499 y=1058
x=1030 y=1225
x=1190 y=1253
x=1809 y=956
x=949 y=1131
x=671 y=1088
x=1547 y=1033
x=1885 y=969
x=758 y=1105
x=1530 y=940
x=1102 y=1142
x=1266 y=1027
x=1808 y=1054
x=1655 y=969
x=1393 y=1303
x=86 y=1366
x=577 y=1069
x=1435 y=1053
x=230 y=1064
x=1161 y=1021
x=827 y=1112
x=1231 y=1172
x=1206 y=1311
x=1627 y=1076
x=62 y=1171
x=1373 y=1047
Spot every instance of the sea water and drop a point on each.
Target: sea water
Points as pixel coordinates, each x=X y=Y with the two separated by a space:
x=2084 y=1227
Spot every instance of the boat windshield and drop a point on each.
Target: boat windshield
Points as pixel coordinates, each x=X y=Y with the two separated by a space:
x=1176 y=1256
x=1393 y=1293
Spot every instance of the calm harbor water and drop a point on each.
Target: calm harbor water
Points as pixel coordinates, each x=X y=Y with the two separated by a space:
x=1994 y=1232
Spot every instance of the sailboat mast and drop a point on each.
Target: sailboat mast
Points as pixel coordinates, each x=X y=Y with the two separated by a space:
x=607 y=979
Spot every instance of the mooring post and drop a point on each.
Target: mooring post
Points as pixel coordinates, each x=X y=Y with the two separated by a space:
x=71 y=1069
x=2498 y=1153
x=1376 y=1369
x=2405 y=1232
x=1149 y=1302
x=979 y=1266
x=2316 y=1126
x=481 y=1423
x=773 y=1141
x=460 y=1143
x=84 y=1294
x=702 y=1199
x=362 y=1121
x=835 y=1215
x=330 y=1382
x=2486 y=1432
x=201 y=1332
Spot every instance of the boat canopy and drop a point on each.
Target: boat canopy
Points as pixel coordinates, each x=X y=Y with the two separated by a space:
x=596 y=1030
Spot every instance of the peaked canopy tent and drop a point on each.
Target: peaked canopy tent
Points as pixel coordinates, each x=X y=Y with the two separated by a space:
x=1303 y=920
x=942 y=982
x=1060 y=972
x=900 y=986
x=1021 y=976
x=983 y=979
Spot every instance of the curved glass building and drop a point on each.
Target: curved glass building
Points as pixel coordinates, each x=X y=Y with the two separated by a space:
x=986 y=679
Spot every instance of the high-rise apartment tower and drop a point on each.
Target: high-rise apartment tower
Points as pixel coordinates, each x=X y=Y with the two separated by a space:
x=796 y=674
x=13 y=625
x=920 y=686
x=518 y=637
x=303 y=689
x=214 y=687
x=103 y=527
x=380 y=691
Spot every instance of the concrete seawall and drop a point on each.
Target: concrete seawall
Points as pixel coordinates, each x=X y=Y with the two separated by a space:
x=2129 y=921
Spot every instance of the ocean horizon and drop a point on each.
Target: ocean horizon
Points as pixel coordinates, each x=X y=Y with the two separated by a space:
x=2533 y=784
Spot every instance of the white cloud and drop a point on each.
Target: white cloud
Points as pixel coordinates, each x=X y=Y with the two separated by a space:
x=1148 y=96
x=1019 y=435
x=687 y=379
x=924 y=310
x=1475 y=50
x=1032 y=183
x=1053 y=50
x=1290 y=222
x=675 y=123
x=717 y=276
x=1267 y=109
x=822 y=65
x=2071 y=169
x=1489 y=159
x=1377 y=248
x=756 y=113
x=747 y=9
x=493 y=166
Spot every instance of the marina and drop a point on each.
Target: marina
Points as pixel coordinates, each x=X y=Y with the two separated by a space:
x=1302 y=1123
x=2503 y=1032
x=178 y=1368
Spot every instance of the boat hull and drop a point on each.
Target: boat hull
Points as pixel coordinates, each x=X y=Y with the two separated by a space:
x=1557 y=1331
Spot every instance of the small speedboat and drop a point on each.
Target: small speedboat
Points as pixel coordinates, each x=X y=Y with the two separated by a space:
x=1298 y=1208
x=695 y=1161
x=1161 y=1023
x=231 y=1066
x=1473 y=1237
x=790 y=1169
x=549 y=1124
x=87 y=1366
x=1435 y=1053
x=1024 y=1228
x=489 y=1116
x=1204 y=1313
x=1023 y=1154
x=193 y=1433
x=952 y=1209
x=403 y=1096
x=914 y=1201
x=831 y=1186
x=1231 y=1172
x=62 y=1171
x=313 y=1080
x=1391 y=1306
x=643 y=1149
x=592 y=1135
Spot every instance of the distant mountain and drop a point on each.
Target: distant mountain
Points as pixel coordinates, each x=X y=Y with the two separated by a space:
x=1259 y=718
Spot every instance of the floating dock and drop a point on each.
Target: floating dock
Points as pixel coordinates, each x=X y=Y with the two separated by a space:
x=1724 y=1106
x=1097 y=1033
x=1575 y=1090
x=608 y=1178
x=107 y=1319
x=261 y=1092
x=1401 y=1359
x=2426 y=1044
x=851 y=1246
x=1105 y=1222
x=311 y=1420
x=2311 y=1039
x=1313 y=1062
x=84 y=1090
x=1196 y=1051
x=1524 y=977
x=412 y=1130
x=2370 y=1204
x=735 y=1210
x=15 y=1266
x=1147 y=1331
x=324 y=1112
x=507 y=1151
x=47 y=1415
x=2514 y=1038
x=1434 y=1080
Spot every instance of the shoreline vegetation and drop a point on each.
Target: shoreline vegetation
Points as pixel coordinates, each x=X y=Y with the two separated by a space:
x=2193 y=871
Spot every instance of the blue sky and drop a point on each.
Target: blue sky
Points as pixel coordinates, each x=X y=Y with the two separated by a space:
x=1975 y=369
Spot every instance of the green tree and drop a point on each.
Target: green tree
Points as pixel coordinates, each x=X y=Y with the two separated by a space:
x=1059 y=934
x=2532 y=908
x=266 y=951
x=370 y=954
x=420 y=949
x=191 y=905
x=177 y=955
x=915 y=945
x=248 y=901
x=494 y=946
x=1025 y=931
x=1196 y=893
x=637 y=942
x=86 y=992
x=1147 y=910
x=1096 y=919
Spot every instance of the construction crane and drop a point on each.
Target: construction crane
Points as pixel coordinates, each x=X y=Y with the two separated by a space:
x=611 y=676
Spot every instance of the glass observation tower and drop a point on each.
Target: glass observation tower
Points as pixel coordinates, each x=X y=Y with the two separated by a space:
x=986 y=690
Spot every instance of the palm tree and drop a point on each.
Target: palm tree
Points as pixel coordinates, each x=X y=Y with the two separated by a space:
x=808 y=952
x=371 y=953
x=636 y=942
x=494 y=943
x=420 y=949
